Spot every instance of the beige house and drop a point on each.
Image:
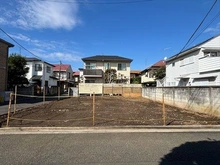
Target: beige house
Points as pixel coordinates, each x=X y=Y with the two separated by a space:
x=95 y=67
x=4 y=46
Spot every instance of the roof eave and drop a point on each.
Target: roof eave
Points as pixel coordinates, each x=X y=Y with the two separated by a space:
x=182 y=54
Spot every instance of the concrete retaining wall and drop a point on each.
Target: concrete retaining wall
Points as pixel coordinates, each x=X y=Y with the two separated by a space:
x=198 y=99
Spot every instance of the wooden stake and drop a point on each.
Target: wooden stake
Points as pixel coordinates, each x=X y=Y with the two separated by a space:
x=93 y=109
x=164 y=113
x=44 y=92
x=15 y=101
x=59 y=93
x=9 y=110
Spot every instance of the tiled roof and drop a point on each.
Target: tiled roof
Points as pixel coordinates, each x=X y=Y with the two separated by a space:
x=76 y=74
x=62 y=67
x=135 y=72
x=156 y=65
x=107 y=58
x=159 y=64
x=31 y=59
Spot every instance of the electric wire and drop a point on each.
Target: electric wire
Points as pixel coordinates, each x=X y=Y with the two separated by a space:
x=98 y=3
x=199 y=25
x=216 y=16
x=19 y=44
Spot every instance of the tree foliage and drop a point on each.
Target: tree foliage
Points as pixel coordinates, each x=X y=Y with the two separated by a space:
x=160 y=73
x=110 y=76
x=136 y=80
x=17 y=70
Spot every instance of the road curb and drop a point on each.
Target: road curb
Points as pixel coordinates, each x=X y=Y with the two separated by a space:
x=115 y=129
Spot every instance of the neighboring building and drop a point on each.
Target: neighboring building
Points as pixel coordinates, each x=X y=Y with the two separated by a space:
x=135 y=73
x=135 y=76
x=95 y=67
x=40 y=73
x=147 y=75
x=4 y=46
x=64 y=74
x=76 y=78
x=196 y=66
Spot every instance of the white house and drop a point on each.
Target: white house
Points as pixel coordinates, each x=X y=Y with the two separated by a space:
x=147 y=75
x=40 y=73
x=64 y=74
x=95 y=67
x=196 y=66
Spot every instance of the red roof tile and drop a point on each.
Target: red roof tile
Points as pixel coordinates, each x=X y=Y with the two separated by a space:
x=76 y=74
x=135 y=72
x=62 y=67
x=159 y=63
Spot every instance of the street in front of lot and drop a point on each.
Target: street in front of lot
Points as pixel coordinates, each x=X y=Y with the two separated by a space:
x=111 y=148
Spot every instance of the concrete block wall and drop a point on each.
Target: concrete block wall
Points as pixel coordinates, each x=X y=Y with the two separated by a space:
x=199 y=99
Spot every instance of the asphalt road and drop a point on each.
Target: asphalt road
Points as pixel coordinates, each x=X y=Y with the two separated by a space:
x=111 y=148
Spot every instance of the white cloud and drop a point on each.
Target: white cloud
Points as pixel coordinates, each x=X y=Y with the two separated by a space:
x=215 y=29
x=34 y=14
x=65 y=57
x=20 y=37
x=168 y=48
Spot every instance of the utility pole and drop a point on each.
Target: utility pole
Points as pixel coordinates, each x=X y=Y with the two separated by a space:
x=59 y=85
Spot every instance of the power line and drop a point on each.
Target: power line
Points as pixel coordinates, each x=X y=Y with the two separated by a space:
x=98 y=3
x=199 y=26
x=18 y=43
x=216 y=16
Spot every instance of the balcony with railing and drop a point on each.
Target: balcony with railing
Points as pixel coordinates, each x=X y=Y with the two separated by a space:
x=93 y=72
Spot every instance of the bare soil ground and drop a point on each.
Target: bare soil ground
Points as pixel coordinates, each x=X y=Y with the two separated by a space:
x=109 y=111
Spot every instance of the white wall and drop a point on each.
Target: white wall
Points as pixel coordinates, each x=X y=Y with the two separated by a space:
x=45 y=75
x=189 y=68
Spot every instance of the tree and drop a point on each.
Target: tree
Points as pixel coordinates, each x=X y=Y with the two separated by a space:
x=17 y=70
x=110 y=75
x=136 y=80
x=160 y=73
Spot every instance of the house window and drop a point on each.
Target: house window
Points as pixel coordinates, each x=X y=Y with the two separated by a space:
x=38 y=67
x=107 y=66
x=48 y=69
x=121 y=66
x=173 y=64
x=211 y=54
x=90 y=65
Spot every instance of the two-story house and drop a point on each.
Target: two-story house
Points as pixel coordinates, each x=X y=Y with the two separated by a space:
x=95 y=67
x=76 y=78
x=4 y=47
x=40 y=73
x=196 y=66
x=147 y=75
x=64 y=74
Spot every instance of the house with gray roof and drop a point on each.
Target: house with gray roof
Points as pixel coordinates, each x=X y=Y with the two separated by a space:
x=196 y=66
x=95 y=67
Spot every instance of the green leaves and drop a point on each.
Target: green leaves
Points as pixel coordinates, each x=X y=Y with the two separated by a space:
x=17 y=70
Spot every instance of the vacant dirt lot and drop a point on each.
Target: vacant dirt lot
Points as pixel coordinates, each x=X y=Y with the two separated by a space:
x=109 y=111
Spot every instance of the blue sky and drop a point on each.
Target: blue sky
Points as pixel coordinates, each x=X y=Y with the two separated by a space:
x=68 y=30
